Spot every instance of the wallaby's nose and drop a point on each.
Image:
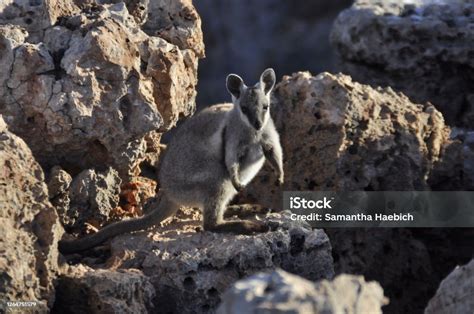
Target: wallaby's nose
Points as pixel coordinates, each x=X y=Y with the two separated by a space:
x=258 y=125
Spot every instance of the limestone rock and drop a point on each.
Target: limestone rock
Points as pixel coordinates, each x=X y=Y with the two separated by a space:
x=85 y=290
x=337 y=134
x=455 y=293
x=59 y=182
x=137 y=8
x=455 y=172
x=412 y=272
x=423 y=48
x=281 y=292
x=136 y=194
x=177 y=22
x=468 y=160
x=87 y=91
x=30 y=226
x=35 y=15
x=93 y=196
x=190 y=268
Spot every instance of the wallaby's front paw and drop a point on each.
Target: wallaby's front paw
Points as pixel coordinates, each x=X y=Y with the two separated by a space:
x=281 y=179
x=238 y=186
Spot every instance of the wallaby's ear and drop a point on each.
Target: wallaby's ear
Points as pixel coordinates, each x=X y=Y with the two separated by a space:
x=234 y=84
x=267 y=80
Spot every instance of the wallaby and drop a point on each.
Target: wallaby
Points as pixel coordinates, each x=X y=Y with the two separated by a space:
x=212 y=156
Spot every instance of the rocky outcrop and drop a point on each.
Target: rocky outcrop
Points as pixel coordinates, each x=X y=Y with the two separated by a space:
x=190 y=268
x=394 y=257
x=36 y=16
x=175 y=21
x=355 y=138
x=455 y=293
x=94 y=195
x=85 y=290
x=245 y=37
x=455 y=172
x=423 y=48
x=85 y=87
x=281 y=292
x=30 y=227
x=59 y=182
x=95 y=198
x=90 y=197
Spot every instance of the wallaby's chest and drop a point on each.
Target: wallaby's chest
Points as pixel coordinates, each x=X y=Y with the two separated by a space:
x=249 y=152
x=251 y=160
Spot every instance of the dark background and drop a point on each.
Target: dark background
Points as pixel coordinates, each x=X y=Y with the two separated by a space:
x=247 y=36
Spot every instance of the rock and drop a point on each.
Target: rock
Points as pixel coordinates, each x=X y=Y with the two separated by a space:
x=177 y=22
x=408 y=263
x=103 y=291
x=137 y=8
x=35 y=15
x=30 y=226
x=136 y=194
x=281 y=292
x=245 y=37
x=455 y=172
x=455 y=293
x=353 y=137
x=94 y=199
x=395 y=258
x=190 y=268
x=58 y=186
x=93 y=196
x=423 y=48
x=468 y=160
x=89 y=88
x=59 y=182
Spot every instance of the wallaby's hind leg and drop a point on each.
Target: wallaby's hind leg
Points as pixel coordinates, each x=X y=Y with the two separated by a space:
x=213 y=219
x=245 y=210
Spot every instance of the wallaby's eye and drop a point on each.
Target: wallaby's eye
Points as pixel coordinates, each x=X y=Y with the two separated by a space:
x=244 y=110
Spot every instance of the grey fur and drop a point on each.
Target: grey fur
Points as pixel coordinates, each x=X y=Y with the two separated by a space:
x=212 y=156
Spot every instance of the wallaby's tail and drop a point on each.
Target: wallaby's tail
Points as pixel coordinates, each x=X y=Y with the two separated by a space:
x=162 y=209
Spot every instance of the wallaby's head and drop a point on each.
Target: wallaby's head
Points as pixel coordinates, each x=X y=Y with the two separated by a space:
x=252 y=102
